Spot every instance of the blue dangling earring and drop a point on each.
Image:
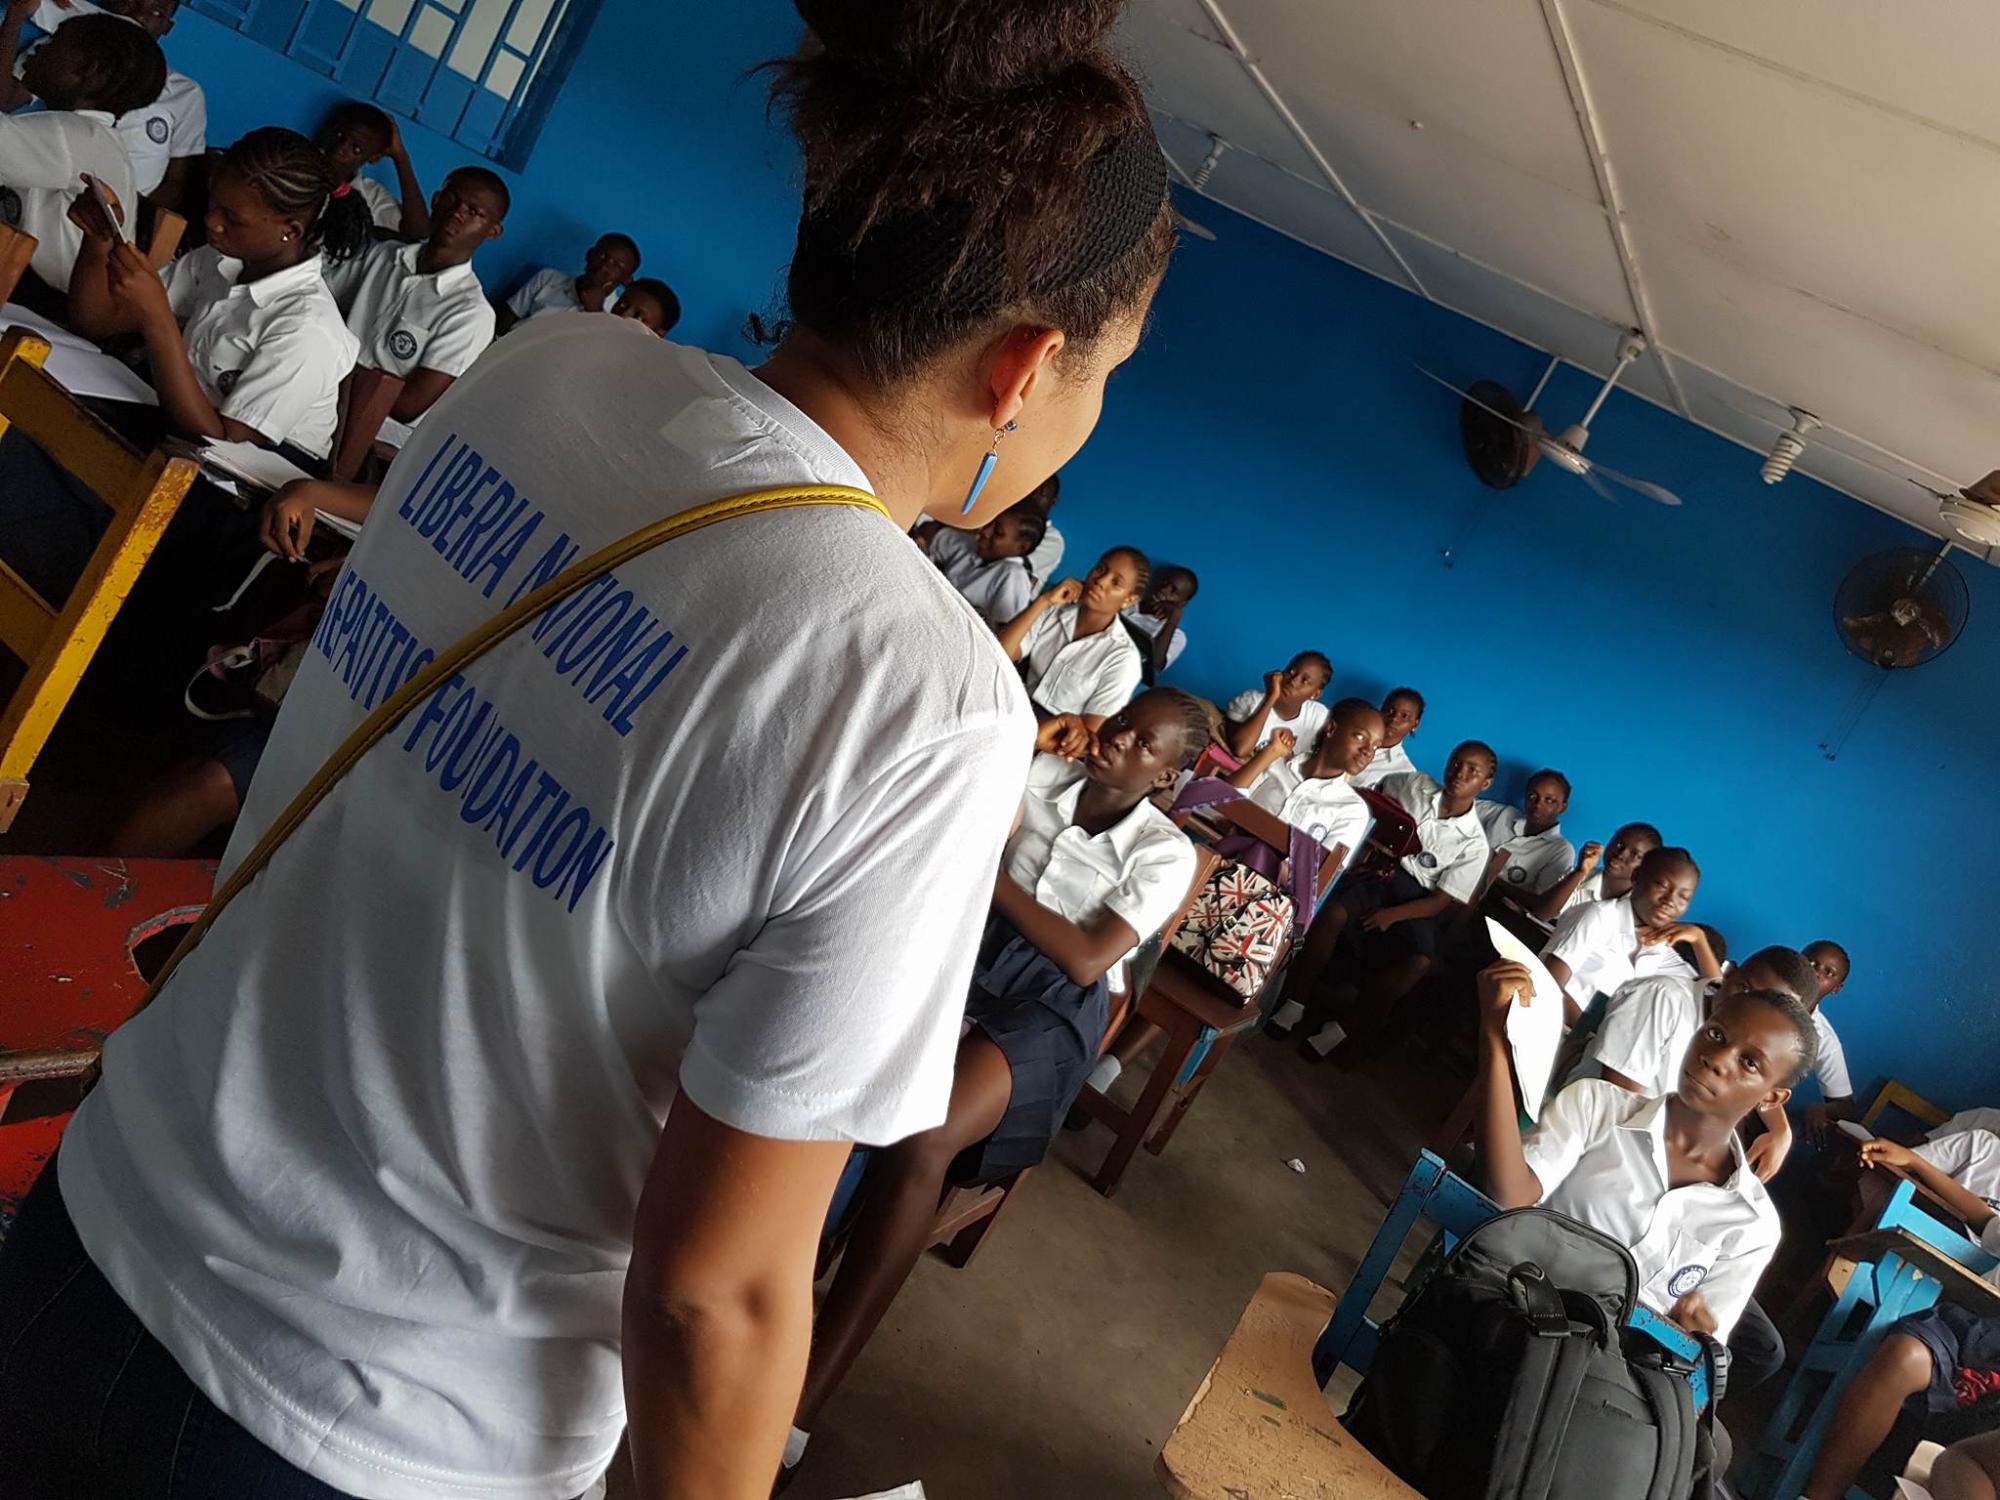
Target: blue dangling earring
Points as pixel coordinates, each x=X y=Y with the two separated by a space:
x=985 y=471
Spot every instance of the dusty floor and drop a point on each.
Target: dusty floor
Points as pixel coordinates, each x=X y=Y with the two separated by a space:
x=1056 y=1364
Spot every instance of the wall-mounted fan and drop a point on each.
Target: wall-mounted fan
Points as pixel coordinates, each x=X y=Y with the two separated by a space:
x=1895 y=610
x=1501 y=461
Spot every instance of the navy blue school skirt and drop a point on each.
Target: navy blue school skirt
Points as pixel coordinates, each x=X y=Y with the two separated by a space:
x=1049 y=1027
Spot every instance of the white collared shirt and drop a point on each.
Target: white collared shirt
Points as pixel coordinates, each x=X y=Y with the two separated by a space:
x=1139 y=868
x=1970 y=1158
x=1589 y=889
x=173 y=125
x=999 y=590
x=1305 y=725
x=1830 y=1061
x=1151 y=625
x=1390 y=760
x=1648 y=1025
x=1453 y=852
x=1048 y=554
x=1535 y=861
x=271 y=354
x=550 y=290
x=1095 y=675
x=385 y=209
x=43 y=156
x=1600 y=944
x=407 y=320
x=1600 y=1154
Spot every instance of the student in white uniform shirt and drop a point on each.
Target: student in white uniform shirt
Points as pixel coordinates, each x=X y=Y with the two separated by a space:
x=598 y=1057
x=1831 y=966
x=1309 y=788
x=990 y=566
x=1402 y=712
x=356 y=135
x=1093 y=870
x=418 y=311
x=1600 y=946
x=1048 y=555
x=92 y=71
x=1289 y=701
x=1666 y=1176
x=1075 y=655
x=245 y=340
x=1397 y=925
x=608 y=267
x=1530 y=853
x=1156 y=619
x=163 y=137
x=1601 y=872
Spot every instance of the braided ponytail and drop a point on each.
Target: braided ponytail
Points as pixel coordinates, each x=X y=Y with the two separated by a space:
x=293 y=176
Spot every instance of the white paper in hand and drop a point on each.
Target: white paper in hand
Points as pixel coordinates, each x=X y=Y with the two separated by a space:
x=1534 y=1021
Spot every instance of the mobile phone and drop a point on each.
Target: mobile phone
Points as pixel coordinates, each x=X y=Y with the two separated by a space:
x=100 y=196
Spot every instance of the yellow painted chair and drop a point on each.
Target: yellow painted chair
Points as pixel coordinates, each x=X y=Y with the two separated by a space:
x=57 y=640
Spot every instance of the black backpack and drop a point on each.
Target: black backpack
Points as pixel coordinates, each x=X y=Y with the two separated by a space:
x=1510 y=1375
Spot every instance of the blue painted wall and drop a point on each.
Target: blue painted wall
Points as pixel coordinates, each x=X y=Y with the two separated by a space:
x=1681 y=666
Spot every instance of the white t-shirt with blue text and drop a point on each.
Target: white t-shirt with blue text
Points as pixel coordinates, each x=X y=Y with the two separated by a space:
x=724 y=823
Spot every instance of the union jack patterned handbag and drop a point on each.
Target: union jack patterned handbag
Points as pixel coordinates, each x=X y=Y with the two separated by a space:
x=1236 y=927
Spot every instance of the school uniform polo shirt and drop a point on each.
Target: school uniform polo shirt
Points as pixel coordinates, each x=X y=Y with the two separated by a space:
x=550 y=290
x=1151 y=625
x=1589 y=889
x=1095 y=675
x=270 y=354
x=43 y=156
x=1390 y=760
x=1535 y=861
x=173 y=125
x=409 y=320
x=1600 y=1155
x=999 y=590
x=1830 y=1061
x=385 y=209
x=1453 y=852
x=1138 y=869
x=1600 y=944
x=1648 y=1025
x=1048 y=554
x=1305 y=725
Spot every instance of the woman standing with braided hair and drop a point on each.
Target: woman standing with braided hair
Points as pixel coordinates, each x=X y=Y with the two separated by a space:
x=245 y=340
x=502 y=1112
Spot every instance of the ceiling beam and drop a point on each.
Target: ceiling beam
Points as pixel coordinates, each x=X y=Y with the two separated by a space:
x=1264 y=85
x=1607 y=189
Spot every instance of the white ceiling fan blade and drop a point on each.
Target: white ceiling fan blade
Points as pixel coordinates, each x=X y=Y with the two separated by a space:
x=1532 y=431
x=1589 y=477
x=1199 y=231
x=1658 y=493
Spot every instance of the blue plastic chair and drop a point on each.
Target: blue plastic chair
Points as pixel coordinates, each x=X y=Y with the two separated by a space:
x=1876 y=1295
x=1433 y=1191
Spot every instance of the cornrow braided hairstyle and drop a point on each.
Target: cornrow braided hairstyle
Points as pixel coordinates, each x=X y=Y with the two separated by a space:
x=1197 y=729
x=293 y=176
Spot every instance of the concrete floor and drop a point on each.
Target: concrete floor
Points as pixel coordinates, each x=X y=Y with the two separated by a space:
x=1057 y=1363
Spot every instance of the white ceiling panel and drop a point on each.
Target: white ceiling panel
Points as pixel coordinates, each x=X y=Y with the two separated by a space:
x=1197 y=79
x=1318 y=216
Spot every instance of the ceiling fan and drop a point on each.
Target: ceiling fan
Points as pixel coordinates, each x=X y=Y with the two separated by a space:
x=1504 y=438
x=1216 y=146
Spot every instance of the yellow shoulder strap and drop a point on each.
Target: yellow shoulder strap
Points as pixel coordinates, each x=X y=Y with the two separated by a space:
x=475 y=644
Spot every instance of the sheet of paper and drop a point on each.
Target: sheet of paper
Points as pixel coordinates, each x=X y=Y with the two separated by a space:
x=1856 y=1129
x=78 y=365
x=256 y=466
x=1534 y=1022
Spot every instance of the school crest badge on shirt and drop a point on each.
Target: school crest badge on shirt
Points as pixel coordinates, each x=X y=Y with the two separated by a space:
x=1685 y=1280
x=156 y=130
x=403 y=344
x=225 y=381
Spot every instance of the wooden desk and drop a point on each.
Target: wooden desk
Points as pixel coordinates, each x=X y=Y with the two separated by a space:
x=1959 y=1282
x=1258 y=1427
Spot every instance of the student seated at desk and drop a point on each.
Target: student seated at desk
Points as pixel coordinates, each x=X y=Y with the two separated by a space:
x=1289 y=701
x=652 y=302
x=418 y=311
x=162 y=137
x=990 y=566
x=1402 y=712
x=1601 y=872
x=1831 y=967
x=1649 y=1022
x=1603 y=944
x=1530 y=853
x=1310 y=789
x=1397 y=925
x=608 y=267
x=1666 y=1177
x=246 y=341
x=1075 y=656
x=93 y=70
x=356 y=135
x=1091 y=871
x=1939 y=1361
x=1155 y=621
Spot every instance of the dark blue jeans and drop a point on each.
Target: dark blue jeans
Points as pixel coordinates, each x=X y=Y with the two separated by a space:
x=91 y=1405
